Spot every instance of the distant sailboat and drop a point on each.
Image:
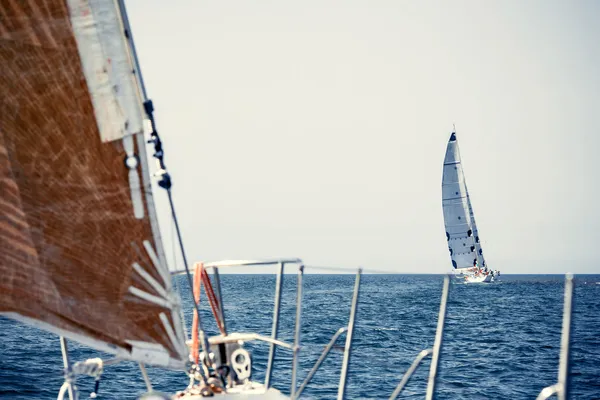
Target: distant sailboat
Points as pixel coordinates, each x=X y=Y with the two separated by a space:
x=461 y=230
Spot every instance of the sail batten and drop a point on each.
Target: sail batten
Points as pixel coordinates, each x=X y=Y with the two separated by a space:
x=461 y=231
x=76 y=210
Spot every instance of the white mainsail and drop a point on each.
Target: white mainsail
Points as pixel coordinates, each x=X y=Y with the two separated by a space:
x=461 y=230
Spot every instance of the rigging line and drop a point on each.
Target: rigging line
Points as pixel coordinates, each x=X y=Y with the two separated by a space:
x=204 y=340
x=164 y=180
x=174 y=279
x=348 y=270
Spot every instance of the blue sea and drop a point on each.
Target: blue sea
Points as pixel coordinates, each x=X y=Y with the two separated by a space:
x=501 y=340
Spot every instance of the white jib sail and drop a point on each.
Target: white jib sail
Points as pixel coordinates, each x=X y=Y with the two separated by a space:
x=461 y=231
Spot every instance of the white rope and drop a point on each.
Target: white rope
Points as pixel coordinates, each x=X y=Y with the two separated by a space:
x=175 y=285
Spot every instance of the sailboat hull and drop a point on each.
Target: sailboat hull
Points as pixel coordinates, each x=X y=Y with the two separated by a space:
x=479 y=278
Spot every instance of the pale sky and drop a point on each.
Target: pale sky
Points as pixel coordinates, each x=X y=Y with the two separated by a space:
x=317 y=128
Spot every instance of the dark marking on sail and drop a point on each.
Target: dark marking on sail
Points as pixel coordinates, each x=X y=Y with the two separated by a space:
x=450 y=248
x=447 y=236
x=472 y=248
x=453 y=137
x=454 y=264
x=476 y=239
x=469 y=233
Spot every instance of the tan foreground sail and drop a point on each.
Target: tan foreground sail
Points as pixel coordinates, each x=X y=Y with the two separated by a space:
x=80 y=253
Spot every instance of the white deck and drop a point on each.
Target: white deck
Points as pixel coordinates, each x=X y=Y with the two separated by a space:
x=252 y=391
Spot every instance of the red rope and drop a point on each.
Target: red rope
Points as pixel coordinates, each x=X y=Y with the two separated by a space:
x=198 y=268
x=212 y=299
x=201 y=277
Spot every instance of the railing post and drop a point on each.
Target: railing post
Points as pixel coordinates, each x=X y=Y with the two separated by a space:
x=275 y=327
x=565 y=340
x=297 y=331
x=322 y=357
x=561 y=388
x=146 y=378
x=437 y=344
x=349 y=335
x=72 y=390
x=220 y=298
x=409 y=373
